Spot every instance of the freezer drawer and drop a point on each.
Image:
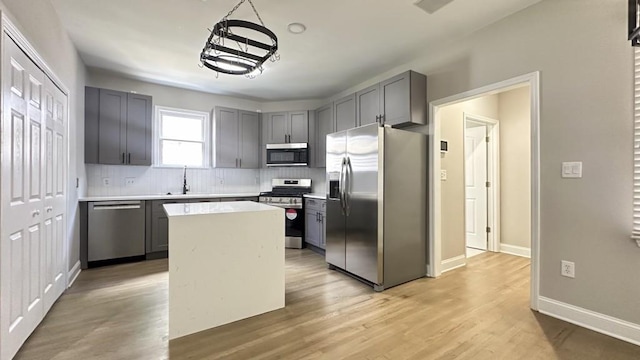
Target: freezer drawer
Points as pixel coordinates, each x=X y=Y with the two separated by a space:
x=116 y=230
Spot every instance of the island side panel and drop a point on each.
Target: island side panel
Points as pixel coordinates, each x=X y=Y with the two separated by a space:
x=223 y=268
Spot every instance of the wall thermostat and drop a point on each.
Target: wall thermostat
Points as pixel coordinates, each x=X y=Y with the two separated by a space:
x=444 y=146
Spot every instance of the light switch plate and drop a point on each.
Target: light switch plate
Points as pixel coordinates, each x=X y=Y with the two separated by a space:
x=106 y=181
x=572 y=170
x=443 y=175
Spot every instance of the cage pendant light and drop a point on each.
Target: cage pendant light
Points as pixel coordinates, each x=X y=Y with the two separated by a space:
x=239 y=47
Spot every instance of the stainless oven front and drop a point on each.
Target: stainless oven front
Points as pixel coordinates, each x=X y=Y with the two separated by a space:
x=294 y=224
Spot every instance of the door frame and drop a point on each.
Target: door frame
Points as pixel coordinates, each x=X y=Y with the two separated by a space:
x=493 y=175
x=434 y=220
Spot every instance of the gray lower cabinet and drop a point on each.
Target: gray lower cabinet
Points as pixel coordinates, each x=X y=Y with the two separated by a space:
x=117 y=127
x=158 y=231
x=237 y=139
x=315 y=230
x=158 y=223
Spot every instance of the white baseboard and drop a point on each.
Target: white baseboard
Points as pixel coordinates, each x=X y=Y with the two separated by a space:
x=515 y=250
x=73 y=273
x=592 y=320
x=453 y=263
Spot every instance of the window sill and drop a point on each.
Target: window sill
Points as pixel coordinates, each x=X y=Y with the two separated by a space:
x=181 y=167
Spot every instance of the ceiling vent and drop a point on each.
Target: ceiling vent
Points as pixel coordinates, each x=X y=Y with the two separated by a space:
x=431 y=6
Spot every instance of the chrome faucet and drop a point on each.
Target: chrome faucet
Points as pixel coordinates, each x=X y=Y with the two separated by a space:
x=185 y=187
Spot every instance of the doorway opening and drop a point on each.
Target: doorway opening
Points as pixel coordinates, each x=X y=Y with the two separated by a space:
x=510 y=175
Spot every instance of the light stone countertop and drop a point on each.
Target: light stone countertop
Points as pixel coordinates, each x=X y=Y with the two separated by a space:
x=318 y=196
x=165 y=197
x=212 y=208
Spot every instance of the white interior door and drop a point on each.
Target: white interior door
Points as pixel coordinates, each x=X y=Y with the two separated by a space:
x=54 y=193
x=31 y=221
x=475 y=186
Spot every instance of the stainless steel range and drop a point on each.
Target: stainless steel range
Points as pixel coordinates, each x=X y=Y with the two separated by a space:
x=287 y=194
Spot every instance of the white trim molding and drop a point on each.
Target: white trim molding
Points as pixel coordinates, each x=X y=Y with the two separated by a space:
x=604 y=324
x=73 y=274
x=515 y=250
x=453 y=263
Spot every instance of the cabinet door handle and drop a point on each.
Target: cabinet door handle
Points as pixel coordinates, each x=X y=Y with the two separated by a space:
x=378 y=119
x=129 y=162
x=240 y=163
x=123 y=158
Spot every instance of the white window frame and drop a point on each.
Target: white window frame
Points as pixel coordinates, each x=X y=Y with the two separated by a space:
x=636 y=146
x=206 y=123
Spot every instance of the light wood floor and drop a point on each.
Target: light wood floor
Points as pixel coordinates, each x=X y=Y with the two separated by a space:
x=477 y=312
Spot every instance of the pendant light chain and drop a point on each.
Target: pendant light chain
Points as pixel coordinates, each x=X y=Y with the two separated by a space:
x=237 y=6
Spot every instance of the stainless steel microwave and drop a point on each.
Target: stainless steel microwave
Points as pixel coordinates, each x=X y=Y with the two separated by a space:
x=288 y=154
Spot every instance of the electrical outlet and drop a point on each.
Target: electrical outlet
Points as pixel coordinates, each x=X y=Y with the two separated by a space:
x=443 y=175
x=568 y=269
x=129 y=181
x=106 y=181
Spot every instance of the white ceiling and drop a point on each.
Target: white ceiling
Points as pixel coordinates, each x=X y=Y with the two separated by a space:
x=346 y=42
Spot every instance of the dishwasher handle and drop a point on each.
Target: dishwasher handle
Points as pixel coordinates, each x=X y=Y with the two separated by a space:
x=117 y=205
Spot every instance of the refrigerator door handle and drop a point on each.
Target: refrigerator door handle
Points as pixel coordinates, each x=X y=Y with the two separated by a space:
x=347 y=191
x=341 y=185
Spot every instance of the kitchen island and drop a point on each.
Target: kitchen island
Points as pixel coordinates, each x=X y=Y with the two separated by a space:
x=226 y=263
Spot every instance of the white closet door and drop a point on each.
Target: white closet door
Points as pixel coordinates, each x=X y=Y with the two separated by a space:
x=54 y=193
x=31 y=239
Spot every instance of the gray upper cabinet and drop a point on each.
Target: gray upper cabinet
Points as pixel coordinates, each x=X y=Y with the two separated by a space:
x=324 y=125
x=277 y=128
x=249 y=140
x=237 y=139
x=299 y=127
x=345 y=113
x=368 y=105
x=226 y=145
x=117 y=127
x=287 y=127
x=139 y=122
x=403 y=99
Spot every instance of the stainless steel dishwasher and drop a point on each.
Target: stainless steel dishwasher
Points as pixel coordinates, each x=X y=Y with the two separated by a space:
x=116 y=230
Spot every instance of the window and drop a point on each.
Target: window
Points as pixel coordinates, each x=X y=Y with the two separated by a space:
x=181 y=138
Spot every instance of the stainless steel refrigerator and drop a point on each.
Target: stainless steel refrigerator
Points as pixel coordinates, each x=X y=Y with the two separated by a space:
x=376 y=204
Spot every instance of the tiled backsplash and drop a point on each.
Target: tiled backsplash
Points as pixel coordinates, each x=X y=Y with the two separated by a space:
x=150 y=180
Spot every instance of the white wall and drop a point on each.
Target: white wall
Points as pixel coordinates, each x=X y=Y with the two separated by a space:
x=586 y=115
x=514 y=114
x=45 y=33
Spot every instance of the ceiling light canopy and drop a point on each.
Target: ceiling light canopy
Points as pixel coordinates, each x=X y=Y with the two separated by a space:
x=296 y=28
x=239 y=47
